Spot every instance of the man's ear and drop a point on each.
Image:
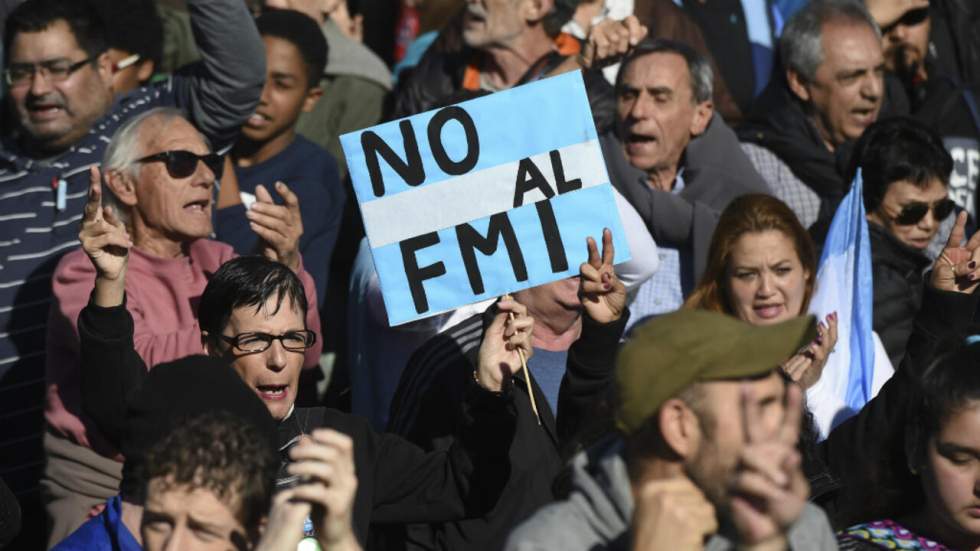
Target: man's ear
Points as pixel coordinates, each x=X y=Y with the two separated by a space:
x=679 y=428
x=122 y=185
x=702 y=117
x=797 y=85
x=205 y=343
x=313 y=95
x=144 y=70
x=533 y=11
x=103 y=66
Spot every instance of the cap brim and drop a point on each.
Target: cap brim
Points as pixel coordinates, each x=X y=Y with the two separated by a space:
x=762 y=348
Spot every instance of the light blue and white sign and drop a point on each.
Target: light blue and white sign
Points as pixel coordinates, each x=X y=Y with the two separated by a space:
x=482 y=198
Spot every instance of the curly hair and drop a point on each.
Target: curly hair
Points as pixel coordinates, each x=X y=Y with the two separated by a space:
x=219 y=452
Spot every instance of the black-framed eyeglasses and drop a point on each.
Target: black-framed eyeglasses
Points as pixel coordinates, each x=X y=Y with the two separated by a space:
x=912 y=213
x=911 y=18
x=55 y=70
x=181 y=163
x=250 y=343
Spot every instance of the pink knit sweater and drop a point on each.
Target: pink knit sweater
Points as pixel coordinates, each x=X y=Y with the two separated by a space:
x=162 y=295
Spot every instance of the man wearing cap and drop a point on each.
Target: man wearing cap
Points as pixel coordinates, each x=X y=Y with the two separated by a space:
x=706 y=454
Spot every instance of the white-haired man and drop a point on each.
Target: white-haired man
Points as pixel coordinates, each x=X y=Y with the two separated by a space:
x=161 y=174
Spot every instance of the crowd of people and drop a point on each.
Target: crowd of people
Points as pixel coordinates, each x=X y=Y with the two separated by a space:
x=194 y=346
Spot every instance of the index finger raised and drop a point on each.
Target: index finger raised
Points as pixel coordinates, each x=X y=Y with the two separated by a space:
x=789 y=429
x=958 y=231
x=94 y=193
x=287 y=194
x=608 y=250
x=751 y=418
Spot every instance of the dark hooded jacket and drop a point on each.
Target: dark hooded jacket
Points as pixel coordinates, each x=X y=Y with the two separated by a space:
x=898 y=287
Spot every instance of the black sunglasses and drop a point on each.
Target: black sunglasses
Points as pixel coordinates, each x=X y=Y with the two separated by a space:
x=910 y=19
x=912 y=213
x=181 y=163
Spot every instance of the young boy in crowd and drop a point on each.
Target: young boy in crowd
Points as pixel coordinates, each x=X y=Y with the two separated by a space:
x=269 y=150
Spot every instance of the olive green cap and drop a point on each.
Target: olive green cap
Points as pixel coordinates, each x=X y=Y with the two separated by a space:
x=671 y=352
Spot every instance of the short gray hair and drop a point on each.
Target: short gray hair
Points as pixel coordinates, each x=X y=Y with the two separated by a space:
x=125 y=147
x=800 y=45
x=698 y=67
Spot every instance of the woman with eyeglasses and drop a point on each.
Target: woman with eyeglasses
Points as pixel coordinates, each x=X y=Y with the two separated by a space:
x=906 y=172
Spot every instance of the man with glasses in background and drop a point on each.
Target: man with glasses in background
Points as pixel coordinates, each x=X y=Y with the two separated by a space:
x=935 y=53
x=58 y=76
x=159 y=180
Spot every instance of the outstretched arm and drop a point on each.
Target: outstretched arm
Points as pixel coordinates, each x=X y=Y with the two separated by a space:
x=221 y=91
x=111 y=368
x=591 y=359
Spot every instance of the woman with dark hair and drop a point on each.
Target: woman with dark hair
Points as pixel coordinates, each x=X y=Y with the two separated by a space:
x=942 y=445
x=761 y=268
x=905 y=169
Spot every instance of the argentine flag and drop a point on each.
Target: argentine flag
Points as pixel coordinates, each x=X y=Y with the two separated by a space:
x=858 y=366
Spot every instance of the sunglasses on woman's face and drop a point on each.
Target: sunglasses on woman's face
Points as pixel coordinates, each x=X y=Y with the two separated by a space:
x=181 y=163
x=912 y=213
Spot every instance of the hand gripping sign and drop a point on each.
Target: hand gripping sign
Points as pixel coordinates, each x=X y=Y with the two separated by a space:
x=482 y=198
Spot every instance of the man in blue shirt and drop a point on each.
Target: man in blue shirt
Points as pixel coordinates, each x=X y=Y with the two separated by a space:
x=269 y=150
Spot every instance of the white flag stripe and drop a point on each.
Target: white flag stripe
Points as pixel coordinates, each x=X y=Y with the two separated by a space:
x=473 y=196
x=826 y=399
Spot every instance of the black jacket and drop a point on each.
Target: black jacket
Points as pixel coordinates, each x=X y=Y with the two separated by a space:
x=432 y=386
x=898 y=286
x=778 y=123
x=397 y=481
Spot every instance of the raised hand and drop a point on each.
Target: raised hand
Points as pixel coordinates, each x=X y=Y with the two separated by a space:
x=284 y=528
x=768 y=490
x=672 y=514
x=502 y=341
x=806 y=366
x=958 y=266
x=106 y=242
x=609 y=41
x=324 y=462
x=602 y=294
x=279 y=226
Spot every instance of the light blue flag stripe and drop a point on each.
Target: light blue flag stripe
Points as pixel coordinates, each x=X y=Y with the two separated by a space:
x=511 y=124
x=849 y=231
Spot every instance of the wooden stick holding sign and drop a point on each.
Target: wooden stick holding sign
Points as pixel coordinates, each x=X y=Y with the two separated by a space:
x=527 y=374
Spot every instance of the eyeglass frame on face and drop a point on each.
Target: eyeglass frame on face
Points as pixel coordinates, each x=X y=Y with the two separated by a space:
x=904 y=216
x=266 y=338
x=45 y=69
x=213 y=161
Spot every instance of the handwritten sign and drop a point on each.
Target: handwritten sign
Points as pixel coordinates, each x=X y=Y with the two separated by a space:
x=482 y=198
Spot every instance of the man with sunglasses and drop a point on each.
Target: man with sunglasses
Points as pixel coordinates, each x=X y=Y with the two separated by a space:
x=58 y=78
x=159 y=179
x=938 y=65
x=906 y=173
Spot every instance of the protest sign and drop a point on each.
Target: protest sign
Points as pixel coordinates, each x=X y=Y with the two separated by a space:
x=482 y=198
